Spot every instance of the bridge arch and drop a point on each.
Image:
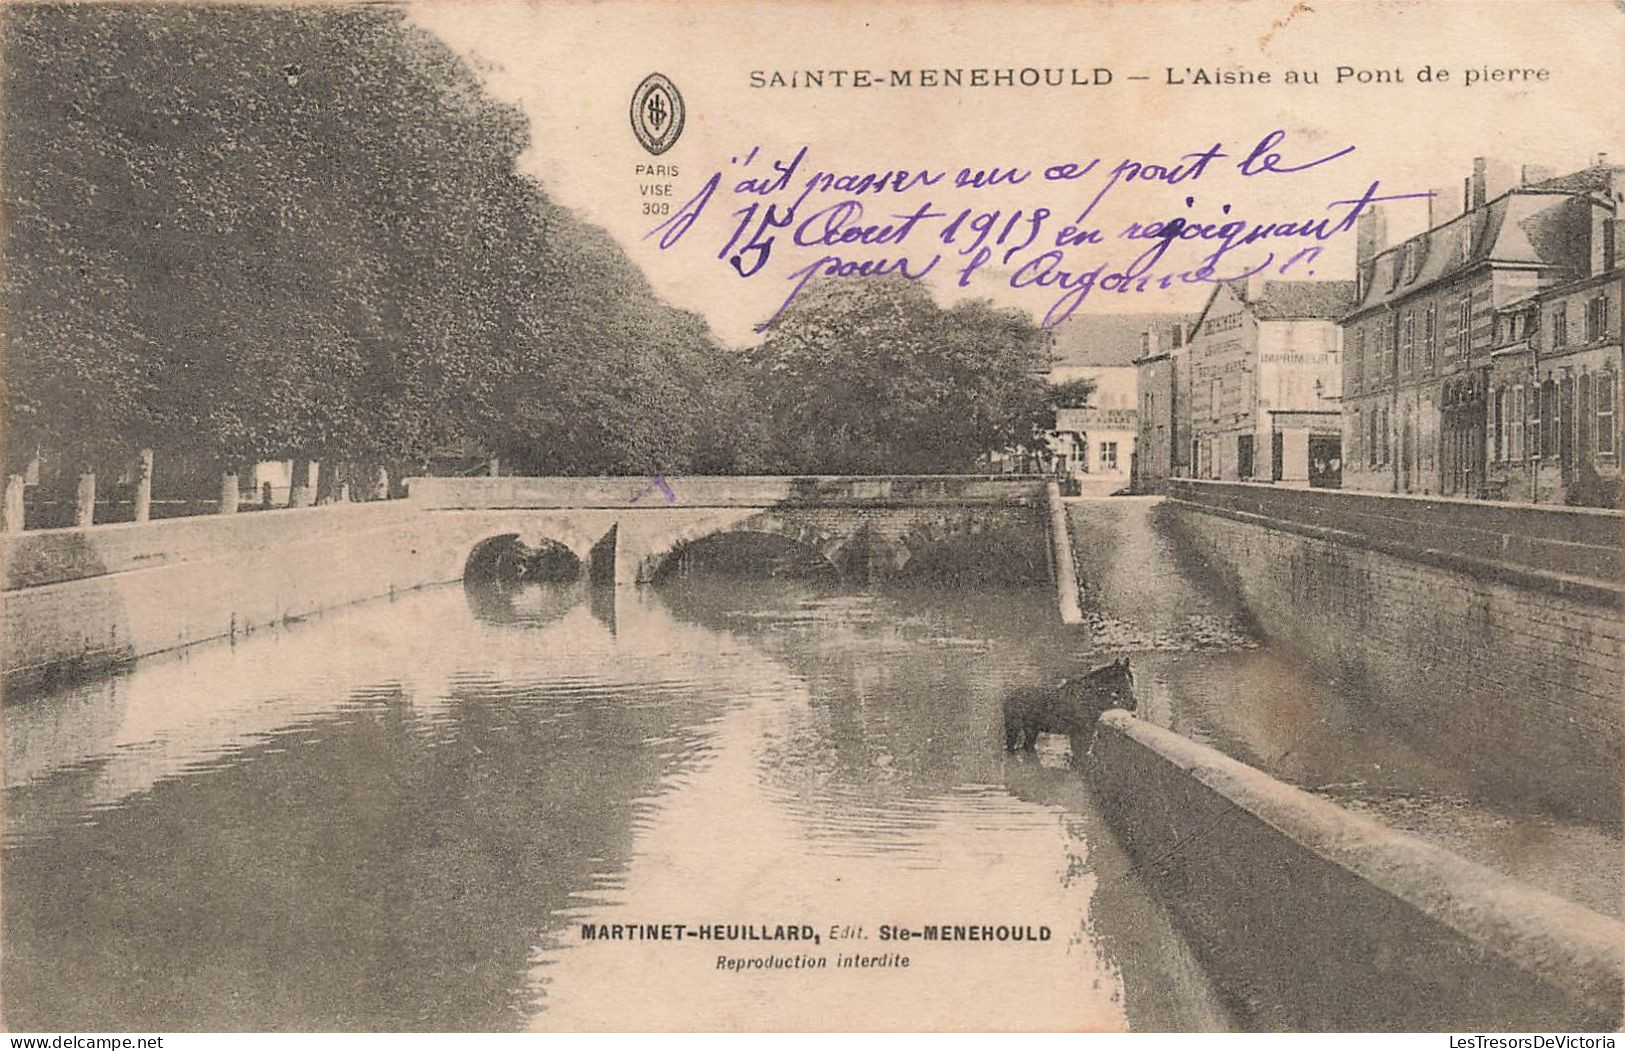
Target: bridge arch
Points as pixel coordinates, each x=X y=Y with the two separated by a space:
x=451 y=544
x=508 y=558
x=769 y=541
x=965 y=549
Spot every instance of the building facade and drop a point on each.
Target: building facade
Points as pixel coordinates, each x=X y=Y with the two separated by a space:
x=1264 y=373
x=1160 y=448
x=1551 y=430
x=1446 y=323
x=1094 y=448
x=1154 y=448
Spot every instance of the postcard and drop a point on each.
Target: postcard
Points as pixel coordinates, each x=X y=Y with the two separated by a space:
x=545 y=515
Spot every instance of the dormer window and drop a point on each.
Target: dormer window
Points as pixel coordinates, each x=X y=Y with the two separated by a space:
x=1415 y=250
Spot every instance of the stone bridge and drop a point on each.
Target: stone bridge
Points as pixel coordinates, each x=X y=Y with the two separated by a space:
x=630 y=531
x=81 y=599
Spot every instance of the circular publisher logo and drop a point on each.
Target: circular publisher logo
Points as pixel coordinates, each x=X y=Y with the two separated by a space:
x=657 y=113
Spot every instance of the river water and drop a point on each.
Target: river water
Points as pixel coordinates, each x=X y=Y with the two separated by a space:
x=400 y=816
x=403 y=814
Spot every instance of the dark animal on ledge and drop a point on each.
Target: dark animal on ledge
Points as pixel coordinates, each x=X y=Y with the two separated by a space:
x=1072 y=708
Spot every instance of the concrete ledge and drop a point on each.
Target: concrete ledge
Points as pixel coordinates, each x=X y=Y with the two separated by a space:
x=1384 y=931
x=1543 y=542
x=1062 y=563
x=52 y=556
x=1577 y=588
x=628 y=493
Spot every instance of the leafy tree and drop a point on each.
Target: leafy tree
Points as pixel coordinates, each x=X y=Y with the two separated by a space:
x=1073 y=394
x=872 y=376
x=248 y=232
x=241 y=233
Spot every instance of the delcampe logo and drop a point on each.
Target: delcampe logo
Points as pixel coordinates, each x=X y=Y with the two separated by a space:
x=657 y=113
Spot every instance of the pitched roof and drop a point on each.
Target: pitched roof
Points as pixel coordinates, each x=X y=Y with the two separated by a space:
x=1108 y=340
x=1525 y=227
x=1599 y=178
x=1287 y=300
x=1295 y=300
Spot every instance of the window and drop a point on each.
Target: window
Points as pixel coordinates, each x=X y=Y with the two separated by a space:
x=1605 y=413
x=1108 y=456
x=1464 y=320
x=1371 y=442
x=1548 y=420
x=1536 y=450
x=1498 y=444
x=1357 y=367
x=1214 y=389
x=1597 y=319
x=1430 y=337
x=1428 y=428
x=1407 y=342
x=1584 y=422
x=1387 y=445
x=1355 y=434
x=1560 y=326
x=1515 y=425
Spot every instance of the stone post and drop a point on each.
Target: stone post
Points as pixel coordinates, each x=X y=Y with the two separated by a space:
x=229 y=493
x=493 y=466
x=84 y=510
x=143 y=485
x=299 y=494
x=16 y=484
x=380 y=484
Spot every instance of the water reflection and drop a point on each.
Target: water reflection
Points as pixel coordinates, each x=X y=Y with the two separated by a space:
x=393 y=816
x=876 y=790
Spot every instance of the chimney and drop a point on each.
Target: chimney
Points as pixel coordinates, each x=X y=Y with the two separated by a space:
x=1477 y=184
x=1499 y=177
x=1490 y=179
x=1600 y=221
x=1182 y=334
x=1148 y=343
x=1529 y=174
x=1443 y=206
x=1601 y=161
x=1370 y=235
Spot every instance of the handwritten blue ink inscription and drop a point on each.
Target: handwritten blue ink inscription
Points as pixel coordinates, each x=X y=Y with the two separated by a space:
x=802 y=223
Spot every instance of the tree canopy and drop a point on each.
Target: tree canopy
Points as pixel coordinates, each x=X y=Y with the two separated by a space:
x=245 y=232
x=263 y=232
x=872 y=376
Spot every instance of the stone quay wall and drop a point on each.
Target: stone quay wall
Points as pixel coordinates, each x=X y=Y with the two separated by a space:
x=1494 y=629
x=1384 y=930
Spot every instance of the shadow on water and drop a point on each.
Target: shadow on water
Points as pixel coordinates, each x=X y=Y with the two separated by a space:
x=390 y=817
x=390 y=864
x=900 y=739
x=506 y=602
x=1167 y=990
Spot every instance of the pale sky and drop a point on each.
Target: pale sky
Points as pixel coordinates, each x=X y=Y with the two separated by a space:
x=572 y=68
